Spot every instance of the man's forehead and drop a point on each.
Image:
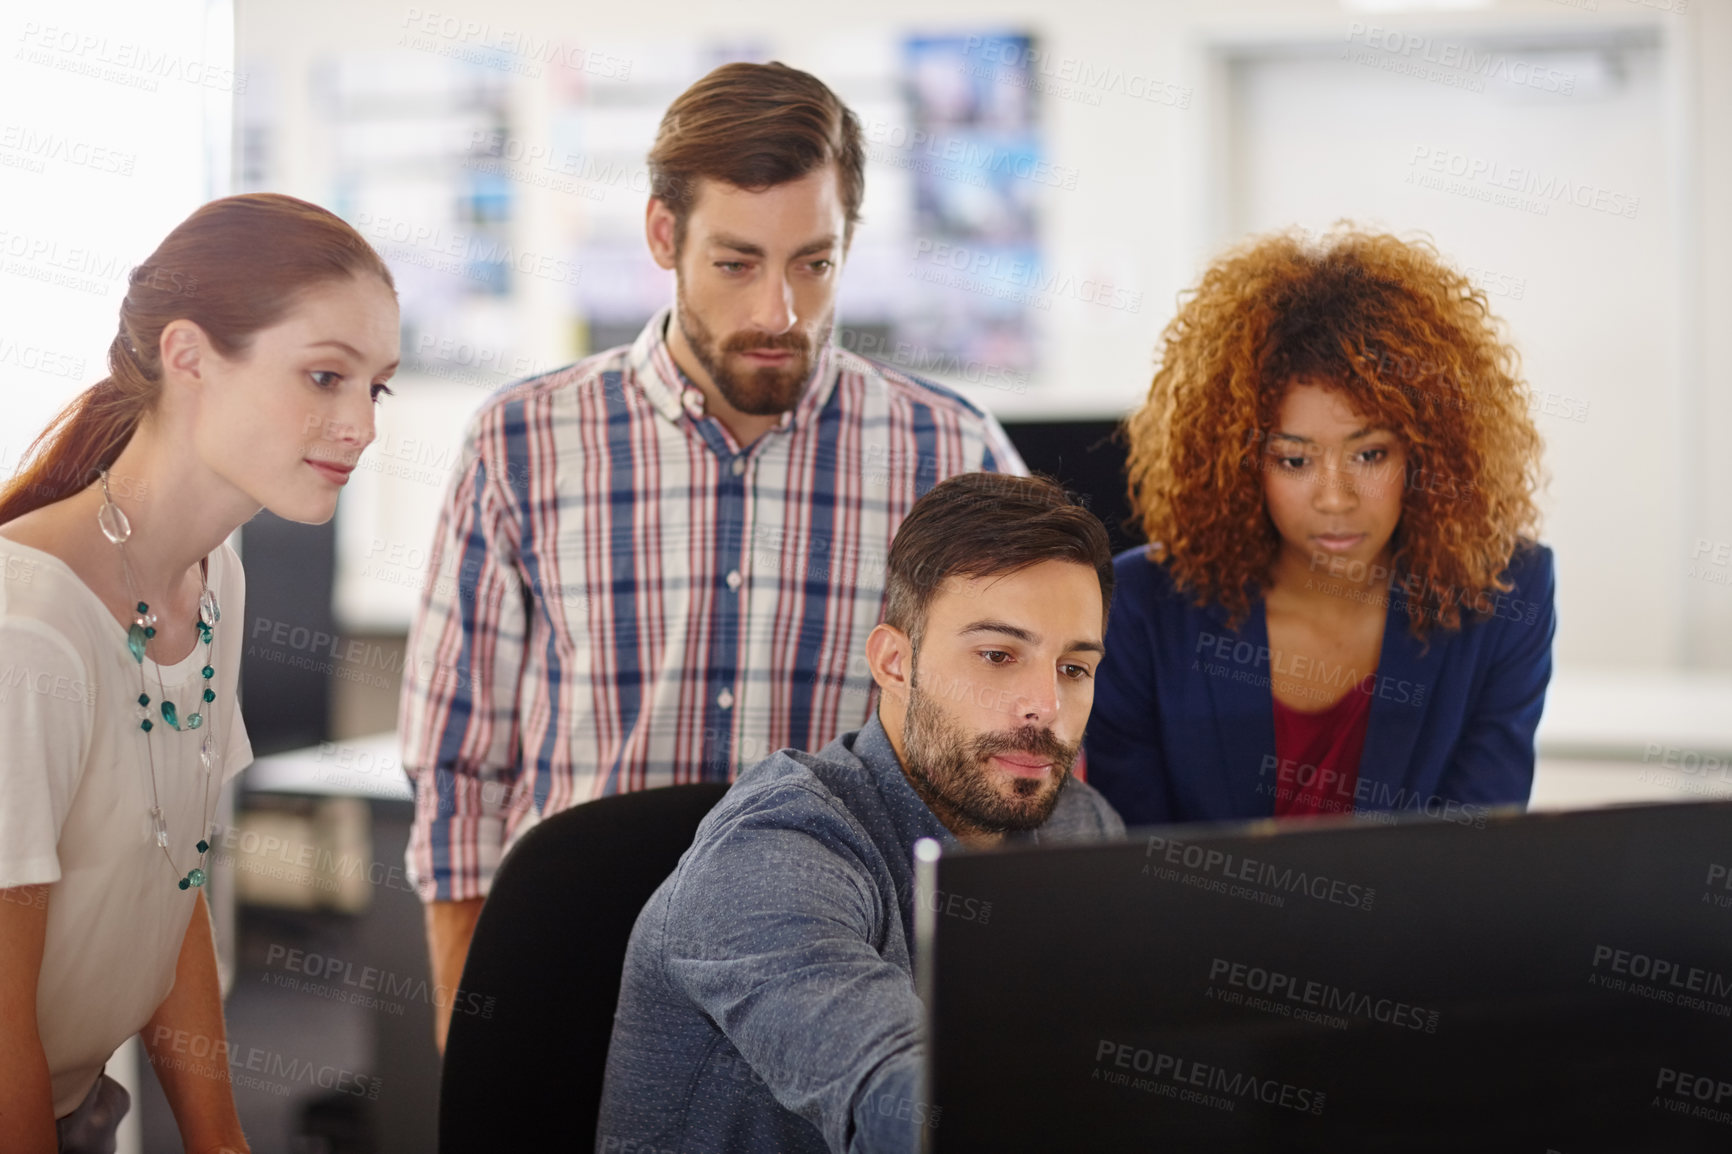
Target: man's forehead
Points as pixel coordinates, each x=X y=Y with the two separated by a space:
x=717 y=204
x=1047 y=599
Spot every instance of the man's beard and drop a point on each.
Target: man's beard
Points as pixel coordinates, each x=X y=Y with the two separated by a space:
x=951 y=774
x=766 y=391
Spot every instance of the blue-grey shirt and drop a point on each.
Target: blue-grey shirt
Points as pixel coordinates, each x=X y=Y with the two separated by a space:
x=768 y=998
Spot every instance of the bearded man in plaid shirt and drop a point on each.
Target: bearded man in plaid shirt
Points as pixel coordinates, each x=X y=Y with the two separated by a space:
x=666 y=558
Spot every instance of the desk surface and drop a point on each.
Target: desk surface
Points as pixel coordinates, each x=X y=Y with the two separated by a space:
x=369 y=767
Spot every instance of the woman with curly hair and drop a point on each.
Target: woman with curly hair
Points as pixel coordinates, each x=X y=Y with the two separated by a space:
x=1343 y=607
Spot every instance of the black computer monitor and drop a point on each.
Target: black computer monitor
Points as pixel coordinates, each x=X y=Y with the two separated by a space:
x=1543 y=982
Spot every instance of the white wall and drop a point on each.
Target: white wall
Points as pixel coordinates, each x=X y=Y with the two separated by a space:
x=1148 y=210
x=114 y=125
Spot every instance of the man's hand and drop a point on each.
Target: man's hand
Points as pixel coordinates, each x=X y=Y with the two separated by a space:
x=450 y=925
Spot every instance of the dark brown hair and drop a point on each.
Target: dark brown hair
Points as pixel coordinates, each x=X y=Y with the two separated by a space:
x=1409 y=342
x=235 y=266
x=755 y=126
x=985 y=525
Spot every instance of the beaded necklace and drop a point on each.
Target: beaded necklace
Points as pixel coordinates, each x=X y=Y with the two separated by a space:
x=118 y=529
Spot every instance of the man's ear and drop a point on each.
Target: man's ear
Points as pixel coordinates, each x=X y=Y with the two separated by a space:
x=890 y=656
x=658 y=230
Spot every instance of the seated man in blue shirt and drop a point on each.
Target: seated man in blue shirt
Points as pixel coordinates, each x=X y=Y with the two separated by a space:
x=768 y=999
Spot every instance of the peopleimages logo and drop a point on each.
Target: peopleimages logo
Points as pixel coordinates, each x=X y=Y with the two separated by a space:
x=1533 y=190
x=1307 y=999
x=1118 y=1060
x=1464 y=58
x=1232 y=867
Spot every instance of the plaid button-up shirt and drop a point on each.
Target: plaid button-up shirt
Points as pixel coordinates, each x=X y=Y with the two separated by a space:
x=630 y=599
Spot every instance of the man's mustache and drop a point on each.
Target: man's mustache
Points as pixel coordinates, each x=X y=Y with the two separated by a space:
x=1030 y=739
x=791 y=341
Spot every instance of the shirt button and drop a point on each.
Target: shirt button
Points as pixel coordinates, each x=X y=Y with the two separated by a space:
x=693 y=399
x=734 y=579
x=725 y=699
x=739 y=466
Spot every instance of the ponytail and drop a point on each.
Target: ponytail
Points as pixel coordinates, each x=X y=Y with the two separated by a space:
x=86 y=436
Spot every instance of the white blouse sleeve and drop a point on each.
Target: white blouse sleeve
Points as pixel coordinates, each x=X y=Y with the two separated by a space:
x=46 y=715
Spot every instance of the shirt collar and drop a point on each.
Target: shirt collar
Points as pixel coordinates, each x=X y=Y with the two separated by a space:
x=673 y=395
x=909 y=813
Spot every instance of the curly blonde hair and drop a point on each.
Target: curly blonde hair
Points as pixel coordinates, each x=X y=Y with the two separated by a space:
x=1411 y=344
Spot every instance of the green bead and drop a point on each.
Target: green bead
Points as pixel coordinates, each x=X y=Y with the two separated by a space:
x=184 y=883
x=195 y=876
x=203 y=846
x=144 y=699
x=150 y=631
x=168 y=714
x=135 y=642
x=143 y=608
x=145 y=725
x=210 y=695
x=208 y=672
x=194 y=720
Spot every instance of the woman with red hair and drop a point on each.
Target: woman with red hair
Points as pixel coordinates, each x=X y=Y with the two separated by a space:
x=253 y=345
x=1344 y=607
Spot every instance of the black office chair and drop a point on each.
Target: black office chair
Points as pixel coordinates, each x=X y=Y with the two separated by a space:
x=548 y=949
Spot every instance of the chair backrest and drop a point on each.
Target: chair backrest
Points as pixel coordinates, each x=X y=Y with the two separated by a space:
x=529 y=1035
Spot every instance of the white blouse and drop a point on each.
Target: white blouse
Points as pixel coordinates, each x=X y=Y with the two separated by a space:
x=75 y=798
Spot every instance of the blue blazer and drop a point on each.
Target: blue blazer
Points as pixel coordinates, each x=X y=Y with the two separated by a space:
x=1183 y=725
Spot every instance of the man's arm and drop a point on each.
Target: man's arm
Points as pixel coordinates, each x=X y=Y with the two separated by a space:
x=189 y=1020
x=771 y=931
x=450 y=925
x=458 y=723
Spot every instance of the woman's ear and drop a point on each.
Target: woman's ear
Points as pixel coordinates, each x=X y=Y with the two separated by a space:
x=186 y=352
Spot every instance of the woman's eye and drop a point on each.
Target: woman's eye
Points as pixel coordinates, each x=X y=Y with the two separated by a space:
x=326 y=380
x=823 y=265
x=382 y=391
x=1292 y=464
x=1373 y=456
x=993 y=654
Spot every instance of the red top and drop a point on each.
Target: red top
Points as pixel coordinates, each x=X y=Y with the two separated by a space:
x=1319 y=753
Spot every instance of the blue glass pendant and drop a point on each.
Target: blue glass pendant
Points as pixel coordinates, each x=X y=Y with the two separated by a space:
x=195 y=876
x=208 y=613
x=135 y=642
x=194 y=720
x=168 y=714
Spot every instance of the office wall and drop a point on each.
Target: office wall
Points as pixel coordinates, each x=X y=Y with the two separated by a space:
x=1145 y=213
